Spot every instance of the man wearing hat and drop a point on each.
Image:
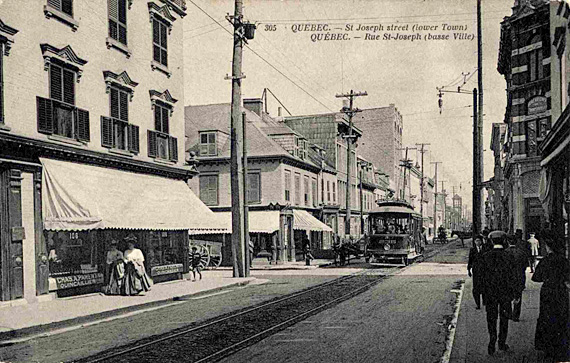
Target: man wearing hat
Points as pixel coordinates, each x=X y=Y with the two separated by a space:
x=498 y=289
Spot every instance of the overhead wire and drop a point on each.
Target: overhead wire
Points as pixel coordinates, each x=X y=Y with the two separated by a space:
x=264 y=60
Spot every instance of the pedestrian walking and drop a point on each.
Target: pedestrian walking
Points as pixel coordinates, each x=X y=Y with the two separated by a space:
x=519 y=254
x=534 y=245
x=474 y=271
x=136 y=278
x=196 y=262
x=551 y=335
x=498 y=290
x=115 y=270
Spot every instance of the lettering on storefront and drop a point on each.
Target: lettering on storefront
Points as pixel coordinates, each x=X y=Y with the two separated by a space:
x=166 y=269
x=66 y=282
x=536 y=105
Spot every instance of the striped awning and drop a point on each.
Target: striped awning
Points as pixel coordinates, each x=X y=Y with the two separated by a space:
x=305 y=221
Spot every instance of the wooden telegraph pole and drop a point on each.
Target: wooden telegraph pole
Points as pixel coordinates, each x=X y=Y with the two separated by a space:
x=422 y=150
x=349 y=111
x=435 y=203
x=242 y=31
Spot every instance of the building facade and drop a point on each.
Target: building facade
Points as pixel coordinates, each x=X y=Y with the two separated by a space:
x=381 y=141
x=91 y=130
x=525 y=62
x=328 y=131
x=284 y=185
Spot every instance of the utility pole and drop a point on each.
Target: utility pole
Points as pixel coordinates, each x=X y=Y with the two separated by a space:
x=477 y=200
x=435 y=203
x=242 y=31
x=248 y=254
x=444 y=209
x=476 y=170
x=422 y=150
x=406 y=165
x=349 y=111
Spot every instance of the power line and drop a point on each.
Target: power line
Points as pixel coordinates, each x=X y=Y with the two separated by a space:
x=263 y=59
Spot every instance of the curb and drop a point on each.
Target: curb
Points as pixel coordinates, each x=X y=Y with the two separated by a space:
x=44 y=328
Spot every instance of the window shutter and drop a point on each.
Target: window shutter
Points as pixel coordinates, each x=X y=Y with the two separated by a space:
x=113 y=19
x=163 y=43
x=152 y=147
x=56 y=91
x=124 y=106
x=157 y=118
x=173 y=148
x=55 y=3
x=69 y=87
x=133 y=138
x=45 y=115
x=165 y=120
x=122 y=21
x=253 y=187
x=114 y=103
x=67 y=7
x=83 y=125
x=106 y=132
x=156 y=40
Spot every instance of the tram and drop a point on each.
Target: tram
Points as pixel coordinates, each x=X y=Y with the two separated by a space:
x=394 y=234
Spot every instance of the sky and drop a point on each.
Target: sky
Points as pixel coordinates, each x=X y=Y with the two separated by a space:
x=290 y=56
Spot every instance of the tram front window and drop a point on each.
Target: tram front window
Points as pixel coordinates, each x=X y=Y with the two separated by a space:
x=390 y=224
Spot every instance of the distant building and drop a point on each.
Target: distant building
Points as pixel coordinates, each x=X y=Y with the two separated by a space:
x=381 y=141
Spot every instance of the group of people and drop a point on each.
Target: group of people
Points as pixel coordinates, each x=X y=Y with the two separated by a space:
x=497 y=264
x=126 y=271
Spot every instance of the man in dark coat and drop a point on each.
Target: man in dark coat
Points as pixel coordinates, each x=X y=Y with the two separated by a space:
x=498 y=289
x=518 y=252
x=474 y=268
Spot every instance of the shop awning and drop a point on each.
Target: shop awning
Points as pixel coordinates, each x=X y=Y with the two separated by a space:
x=78 y=196
x=548 y=158
x=304 y=220
x=260 y=221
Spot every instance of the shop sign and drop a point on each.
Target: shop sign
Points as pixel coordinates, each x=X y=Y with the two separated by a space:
x=69 y=281
x=536 y=105
x=166 y=269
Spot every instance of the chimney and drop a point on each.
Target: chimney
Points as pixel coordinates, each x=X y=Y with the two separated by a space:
x=279 y=111
x=253 y=104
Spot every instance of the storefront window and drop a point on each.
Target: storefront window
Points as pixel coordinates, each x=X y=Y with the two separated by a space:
x=163 y=249
x=71 y=253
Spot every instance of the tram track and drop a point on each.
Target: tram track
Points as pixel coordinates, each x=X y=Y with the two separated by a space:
x=220 y=337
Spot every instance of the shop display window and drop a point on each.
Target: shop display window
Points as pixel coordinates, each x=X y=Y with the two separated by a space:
x=163 y=249
x=71 y=253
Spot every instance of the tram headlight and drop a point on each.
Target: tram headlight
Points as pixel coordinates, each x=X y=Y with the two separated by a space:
x=386 y=246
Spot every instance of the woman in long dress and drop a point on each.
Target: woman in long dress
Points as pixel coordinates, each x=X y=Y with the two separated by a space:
x=553 y=271
x=136 y=279
x=116 y=270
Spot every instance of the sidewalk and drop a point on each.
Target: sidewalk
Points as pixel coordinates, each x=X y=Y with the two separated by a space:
x=472 y=338
x=18 y=320
x=26 y=319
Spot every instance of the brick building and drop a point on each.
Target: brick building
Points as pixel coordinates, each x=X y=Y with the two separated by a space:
x=525 y=62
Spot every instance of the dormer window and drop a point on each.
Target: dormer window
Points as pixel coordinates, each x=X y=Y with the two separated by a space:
x=208 y=145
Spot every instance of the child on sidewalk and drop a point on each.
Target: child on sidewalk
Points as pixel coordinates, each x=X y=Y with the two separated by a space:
x=196 y=262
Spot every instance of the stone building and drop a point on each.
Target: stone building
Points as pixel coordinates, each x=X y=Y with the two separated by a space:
x=91 y=131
